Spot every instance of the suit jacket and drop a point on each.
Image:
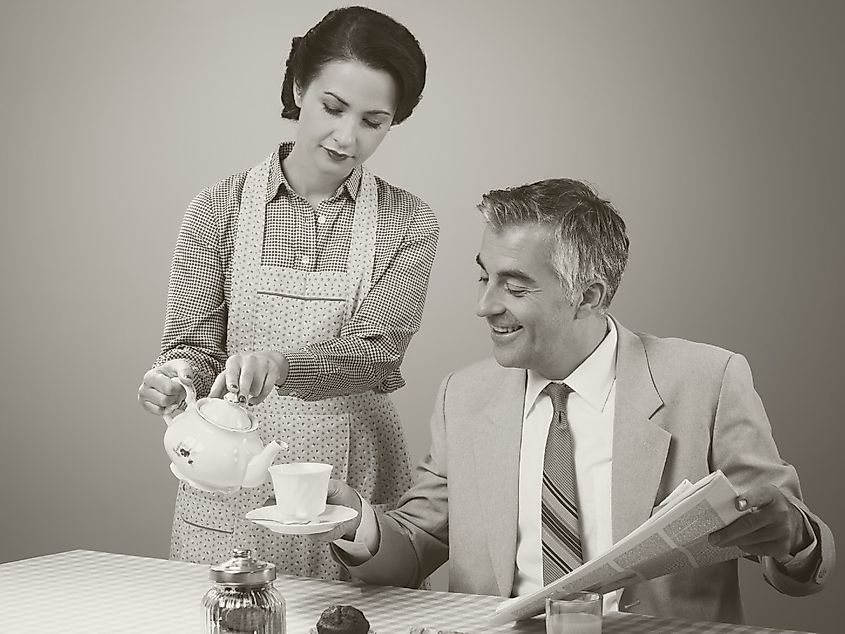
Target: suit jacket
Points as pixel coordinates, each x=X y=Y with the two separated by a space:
x=682 y=410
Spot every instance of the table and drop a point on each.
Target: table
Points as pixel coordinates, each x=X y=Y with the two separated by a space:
x=86 y=592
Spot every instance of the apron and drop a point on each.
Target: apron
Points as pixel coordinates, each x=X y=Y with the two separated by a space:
x=273 y=307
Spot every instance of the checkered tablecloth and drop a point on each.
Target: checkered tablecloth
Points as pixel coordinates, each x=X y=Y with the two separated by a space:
x=84 y=592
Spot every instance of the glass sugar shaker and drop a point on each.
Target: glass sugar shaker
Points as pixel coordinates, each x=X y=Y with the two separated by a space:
x=243 y=599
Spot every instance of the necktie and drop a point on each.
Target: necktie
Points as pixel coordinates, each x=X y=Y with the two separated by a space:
x=559 y=508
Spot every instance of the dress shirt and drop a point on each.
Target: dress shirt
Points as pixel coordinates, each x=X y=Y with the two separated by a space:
x=369 y=348
x=589 y=412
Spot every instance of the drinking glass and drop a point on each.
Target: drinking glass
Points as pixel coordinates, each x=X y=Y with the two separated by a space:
x=578 y=613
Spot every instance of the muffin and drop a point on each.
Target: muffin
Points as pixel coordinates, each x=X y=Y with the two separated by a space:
x=342 y=619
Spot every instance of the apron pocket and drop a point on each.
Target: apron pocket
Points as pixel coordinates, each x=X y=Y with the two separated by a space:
x=213 y=511
x=284 y=323
x=318 y=438
x=297 y=308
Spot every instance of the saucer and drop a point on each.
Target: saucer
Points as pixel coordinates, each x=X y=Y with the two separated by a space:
x=270 y=517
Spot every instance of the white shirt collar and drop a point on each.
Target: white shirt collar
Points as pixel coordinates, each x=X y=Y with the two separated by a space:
x=592 y=380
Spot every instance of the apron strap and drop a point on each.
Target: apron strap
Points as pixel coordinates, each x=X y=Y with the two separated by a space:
x=362 y=246
x=246 y=259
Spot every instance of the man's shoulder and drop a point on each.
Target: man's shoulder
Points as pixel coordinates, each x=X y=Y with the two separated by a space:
x=484 y=376
x=475 y=387
x=482 y=369
x=683 y=350
x=682 y=363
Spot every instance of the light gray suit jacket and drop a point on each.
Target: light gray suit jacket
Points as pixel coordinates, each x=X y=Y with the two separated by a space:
x=682 y=409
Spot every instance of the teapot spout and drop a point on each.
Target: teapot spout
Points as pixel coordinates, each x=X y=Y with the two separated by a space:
x=256 y=471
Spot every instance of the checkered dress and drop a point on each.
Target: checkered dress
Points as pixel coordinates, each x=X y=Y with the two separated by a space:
x=369 y=349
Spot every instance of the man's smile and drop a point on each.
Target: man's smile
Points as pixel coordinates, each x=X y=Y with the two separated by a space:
x=501 y=332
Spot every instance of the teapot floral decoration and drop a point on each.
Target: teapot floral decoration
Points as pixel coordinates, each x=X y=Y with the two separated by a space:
x=214 y=445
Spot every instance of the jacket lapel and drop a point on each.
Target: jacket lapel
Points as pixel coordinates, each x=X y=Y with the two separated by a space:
x=640 y=446
x=497 y=450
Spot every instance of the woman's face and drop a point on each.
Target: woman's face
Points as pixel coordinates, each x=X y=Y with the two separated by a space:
x=345 y=112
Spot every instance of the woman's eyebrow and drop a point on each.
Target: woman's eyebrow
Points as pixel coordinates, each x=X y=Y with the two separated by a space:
x=345 y=103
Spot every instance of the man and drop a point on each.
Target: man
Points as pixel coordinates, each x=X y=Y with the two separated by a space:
x=524 y=480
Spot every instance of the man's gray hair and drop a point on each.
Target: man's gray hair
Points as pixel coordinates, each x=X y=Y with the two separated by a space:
x=587 y=234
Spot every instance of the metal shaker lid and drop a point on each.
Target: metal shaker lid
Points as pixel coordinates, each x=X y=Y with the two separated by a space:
x=243 y=570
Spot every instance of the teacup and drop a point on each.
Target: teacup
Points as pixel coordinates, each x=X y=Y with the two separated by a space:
x=301 y=489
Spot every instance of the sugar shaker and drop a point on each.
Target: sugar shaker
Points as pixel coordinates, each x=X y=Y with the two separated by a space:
x=243 y=599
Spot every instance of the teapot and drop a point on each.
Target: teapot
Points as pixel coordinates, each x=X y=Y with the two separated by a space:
x=214 y=444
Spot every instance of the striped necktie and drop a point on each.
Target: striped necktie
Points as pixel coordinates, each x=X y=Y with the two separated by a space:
x=559 y=509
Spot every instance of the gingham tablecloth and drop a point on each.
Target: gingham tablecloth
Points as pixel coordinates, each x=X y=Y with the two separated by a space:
x=85 y=592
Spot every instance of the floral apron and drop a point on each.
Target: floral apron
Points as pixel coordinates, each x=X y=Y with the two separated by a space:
x=277 y=308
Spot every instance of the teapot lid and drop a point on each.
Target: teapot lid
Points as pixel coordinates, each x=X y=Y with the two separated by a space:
x=225 y=413
x=243 y=570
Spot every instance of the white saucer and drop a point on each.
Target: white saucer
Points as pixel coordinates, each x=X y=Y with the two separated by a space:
x=271 y=517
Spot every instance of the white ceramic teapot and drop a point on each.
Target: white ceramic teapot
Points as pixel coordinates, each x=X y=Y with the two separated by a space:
x=214 y=444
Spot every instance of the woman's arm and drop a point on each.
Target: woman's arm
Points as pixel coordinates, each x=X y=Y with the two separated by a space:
x=369 y=350
x=196 y=314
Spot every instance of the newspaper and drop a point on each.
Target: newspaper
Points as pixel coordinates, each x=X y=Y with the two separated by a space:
x=674 y=538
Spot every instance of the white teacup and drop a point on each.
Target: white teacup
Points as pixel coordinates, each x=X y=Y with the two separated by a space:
x=301 y=489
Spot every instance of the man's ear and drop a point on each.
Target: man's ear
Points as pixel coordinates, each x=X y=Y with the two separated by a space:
x=592 y=298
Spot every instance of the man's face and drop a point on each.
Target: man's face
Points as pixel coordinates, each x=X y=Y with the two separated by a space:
x=532 y=323
x=345 y=113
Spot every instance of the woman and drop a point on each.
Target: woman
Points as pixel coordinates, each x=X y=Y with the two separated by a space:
x=299 y=285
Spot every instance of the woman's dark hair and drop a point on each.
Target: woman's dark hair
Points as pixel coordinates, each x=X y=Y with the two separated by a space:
x=364 y=35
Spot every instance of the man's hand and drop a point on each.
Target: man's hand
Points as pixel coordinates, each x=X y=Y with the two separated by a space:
x=158 y=393
x=251 y=375
x=773 y=527
x=341 y=494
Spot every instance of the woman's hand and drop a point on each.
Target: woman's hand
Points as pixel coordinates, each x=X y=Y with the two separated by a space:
x=251 y=375
x=158 y=393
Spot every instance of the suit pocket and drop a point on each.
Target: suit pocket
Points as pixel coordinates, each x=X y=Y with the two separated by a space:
x=213 y=511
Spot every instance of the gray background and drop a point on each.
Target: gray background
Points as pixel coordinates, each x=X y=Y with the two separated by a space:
x=715 y=127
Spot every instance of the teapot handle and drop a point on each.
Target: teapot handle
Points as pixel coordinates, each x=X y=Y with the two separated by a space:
x=190 y=399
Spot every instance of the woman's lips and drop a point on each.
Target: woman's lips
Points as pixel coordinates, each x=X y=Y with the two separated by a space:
x=336 y=156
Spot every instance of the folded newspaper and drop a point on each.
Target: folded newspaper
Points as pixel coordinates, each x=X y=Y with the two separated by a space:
x=674 y=538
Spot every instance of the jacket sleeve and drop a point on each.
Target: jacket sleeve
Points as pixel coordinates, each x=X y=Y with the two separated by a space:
x=744 y=449
x=415 y=536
